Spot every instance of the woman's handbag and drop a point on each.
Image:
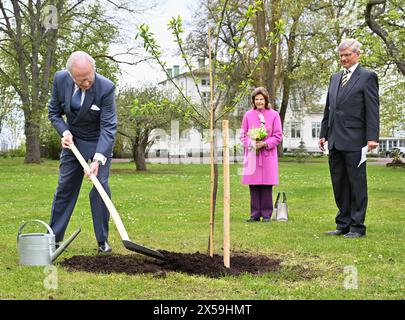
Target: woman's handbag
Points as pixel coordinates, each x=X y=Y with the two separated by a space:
x=280 y=211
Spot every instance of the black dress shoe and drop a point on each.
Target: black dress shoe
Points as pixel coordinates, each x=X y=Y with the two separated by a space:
x=354 y=235
x=266 y=220
x=251 y=219
x=104 y=247
x=335 y=233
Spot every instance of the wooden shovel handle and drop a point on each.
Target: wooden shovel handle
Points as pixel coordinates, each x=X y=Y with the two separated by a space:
x=107 y=201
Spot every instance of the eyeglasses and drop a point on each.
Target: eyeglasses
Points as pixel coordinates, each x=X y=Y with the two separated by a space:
x=82 y=81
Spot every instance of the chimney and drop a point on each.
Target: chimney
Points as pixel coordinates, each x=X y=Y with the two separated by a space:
x=201 y=63
x=176 y=70
x=169 y=71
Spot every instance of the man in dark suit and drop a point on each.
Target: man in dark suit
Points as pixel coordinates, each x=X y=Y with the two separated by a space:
x=350 y=122
x=87 y=99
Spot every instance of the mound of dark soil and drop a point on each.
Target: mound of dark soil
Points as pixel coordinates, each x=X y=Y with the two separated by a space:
x=190 y=263
x=396 y=163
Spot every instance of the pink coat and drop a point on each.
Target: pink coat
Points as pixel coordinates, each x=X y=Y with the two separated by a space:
x=261 y=168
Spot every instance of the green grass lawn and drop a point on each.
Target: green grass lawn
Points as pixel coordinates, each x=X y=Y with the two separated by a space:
x=168 y=208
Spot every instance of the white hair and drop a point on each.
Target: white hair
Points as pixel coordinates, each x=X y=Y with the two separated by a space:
x=350 y=43
x=79 y=55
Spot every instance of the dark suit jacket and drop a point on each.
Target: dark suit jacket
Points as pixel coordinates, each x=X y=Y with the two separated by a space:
x=89 y=124
x=351 y=115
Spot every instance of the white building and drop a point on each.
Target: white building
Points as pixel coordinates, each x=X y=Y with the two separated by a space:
x=387 y=143
x=299 y=125
x=305 y=126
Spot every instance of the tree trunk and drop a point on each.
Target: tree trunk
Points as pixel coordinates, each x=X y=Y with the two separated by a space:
x=139 y=158
x=262 y=42
x=271 y=75
x=286 y=94
x=33 y=153
x=216 y=172
x=138 y=152
x=215 y=185
x=291 y=44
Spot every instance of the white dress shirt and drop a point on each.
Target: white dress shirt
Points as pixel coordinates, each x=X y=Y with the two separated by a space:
x=351 y=69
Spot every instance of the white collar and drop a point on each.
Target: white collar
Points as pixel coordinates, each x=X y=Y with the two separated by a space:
x=353 y=67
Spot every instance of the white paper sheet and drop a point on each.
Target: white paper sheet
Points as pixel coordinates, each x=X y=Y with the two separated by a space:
x=363 y=155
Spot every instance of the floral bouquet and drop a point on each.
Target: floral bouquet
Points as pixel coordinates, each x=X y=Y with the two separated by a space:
x=257 y=134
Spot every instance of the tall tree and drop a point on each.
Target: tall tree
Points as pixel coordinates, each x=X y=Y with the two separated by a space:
x=291 y=56
x=36 y=38
x=29 y=50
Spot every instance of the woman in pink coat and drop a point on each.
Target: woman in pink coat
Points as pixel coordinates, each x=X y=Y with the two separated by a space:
x=260 y=165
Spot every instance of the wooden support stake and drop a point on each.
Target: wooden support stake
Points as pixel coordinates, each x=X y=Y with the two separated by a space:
x=211 y=239
x=225 y=161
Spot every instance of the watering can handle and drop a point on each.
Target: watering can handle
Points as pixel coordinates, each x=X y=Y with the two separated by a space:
x=39 y=221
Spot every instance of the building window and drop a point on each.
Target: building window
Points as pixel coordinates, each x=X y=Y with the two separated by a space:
x=316 y=129
x=295 y=130
x=185 y=135
x=205 y=82
x=206 y=97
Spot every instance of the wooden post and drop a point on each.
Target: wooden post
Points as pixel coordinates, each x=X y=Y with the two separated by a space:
x=225 y=161
x=211 y=239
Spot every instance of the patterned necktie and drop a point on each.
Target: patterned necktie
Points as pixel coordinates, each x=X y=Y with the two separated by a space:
x=345 y=77
x=76 y=100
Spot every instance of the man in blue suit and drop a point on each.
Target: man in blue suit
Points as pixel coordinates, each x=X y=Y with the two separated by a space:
x=87 y=99
x=350 y=122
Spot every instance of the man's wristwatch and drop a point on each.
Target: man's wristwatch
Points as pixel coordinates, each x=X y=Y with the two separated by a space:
x=100 y=163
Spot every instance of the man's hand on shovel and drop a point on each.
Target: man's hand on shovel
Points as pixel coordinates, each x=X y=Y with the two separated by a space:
x=93 y=169
x=66 y=141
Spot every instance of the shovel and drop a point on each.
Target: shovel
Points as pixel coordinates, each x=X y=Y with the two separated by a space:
x=117 y=220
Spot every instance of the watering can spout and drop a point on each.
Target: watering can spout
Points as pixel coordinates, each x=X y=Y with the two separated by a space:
x=64 y=245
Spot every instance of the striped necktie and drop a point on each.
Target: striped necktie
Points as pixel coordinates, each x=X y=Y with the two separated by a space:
x=345 y=77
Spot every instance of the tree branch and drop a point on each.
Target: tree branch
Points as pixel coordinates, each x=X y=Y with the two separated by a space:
x=383 y=34
x=114 y=59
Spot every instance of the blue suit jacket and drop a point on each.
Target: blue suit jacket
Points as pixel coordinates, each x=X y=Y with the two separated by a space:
x=351 y=115
x=98 y=126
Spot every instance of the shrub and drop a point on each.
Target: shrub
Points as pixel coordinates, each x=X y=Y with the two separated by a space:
x=301 y=153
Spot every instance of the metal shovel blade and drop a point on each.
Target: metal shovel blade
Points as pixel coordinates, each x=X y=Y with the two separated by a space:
x=143 y=250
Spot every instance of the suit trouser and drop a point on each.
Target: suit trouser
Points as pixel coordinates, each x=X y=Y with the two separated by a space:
x=69 y=184
x=261 y=201
x=350 y=189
